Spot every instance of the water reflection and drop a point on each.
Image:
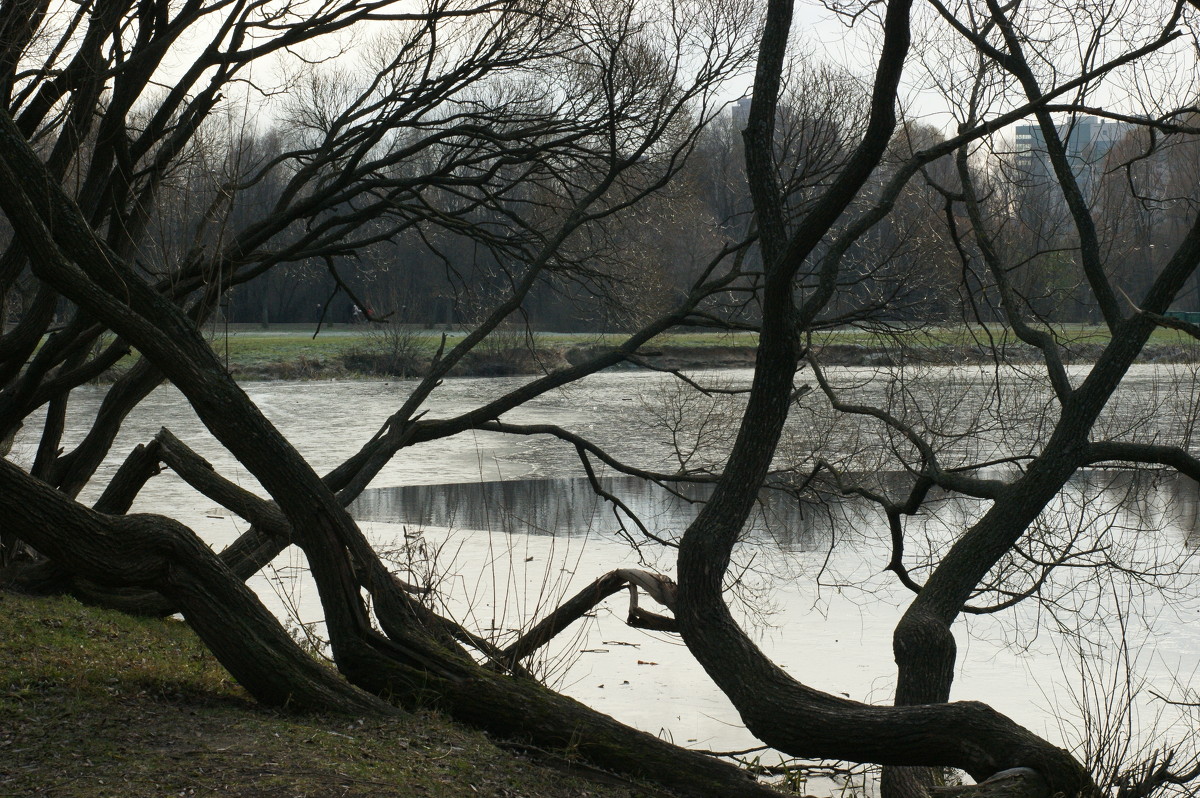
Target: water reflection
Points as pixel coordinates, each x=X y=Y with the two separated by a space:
x=1134 y=500
x=570 y=507
x=1184 y=498
x=1141 y=500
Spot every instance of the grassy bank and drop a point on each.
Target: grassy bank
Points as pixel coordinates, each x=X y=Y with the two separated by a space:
x=345 y=351
x=96 y=704
x=350 y=351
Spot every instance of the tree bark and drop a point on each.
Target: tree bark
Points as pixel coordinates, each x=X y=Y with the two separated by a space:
x=784 y=713
x=159 y=553
x=410 y=666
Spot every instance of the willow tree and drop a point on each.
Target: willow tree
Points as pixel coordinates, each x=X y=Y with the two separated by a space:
x=1014 y=68
x=536 y=132
x=525 y=128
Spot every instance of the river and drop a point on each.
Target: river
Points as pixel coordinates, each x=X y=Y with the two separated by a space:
x=506 y=527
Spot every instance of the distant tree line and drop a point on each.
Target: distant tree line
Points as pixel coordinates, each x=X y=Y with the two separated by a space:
x=907 y=269
x=452 y=257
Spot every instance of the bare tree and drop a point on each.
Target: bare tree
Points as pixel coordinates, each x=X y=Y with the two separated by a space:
x=521 y=127
x=802 y=265
x=535 y=131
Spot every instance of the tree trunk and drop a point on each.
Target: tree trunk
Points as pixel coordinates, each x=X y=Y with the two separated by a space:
x=782 y=712
x=159 y=553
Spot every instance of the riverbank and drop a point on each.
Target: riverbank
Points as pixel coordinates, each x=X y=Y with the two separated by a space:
x=347 y=352
x=343 y=351
x=96 y=704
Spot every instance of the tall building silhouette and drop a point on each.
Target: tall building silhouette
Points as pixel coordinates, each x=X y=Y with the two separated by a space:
x=1087 y=141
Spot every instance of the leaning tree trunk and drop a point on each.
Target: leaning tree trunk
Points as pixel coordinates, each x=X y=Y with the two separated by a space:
x=784 y=713
x=159 y=553
x=791 y=716
x=410 y=665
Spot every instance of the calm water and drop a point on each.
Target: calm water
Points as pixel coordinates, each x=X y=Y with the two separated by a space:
x=506 y=527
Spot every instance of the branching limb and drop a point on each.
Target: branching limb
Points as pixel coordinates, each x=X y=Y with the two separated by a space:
x=639 y=360
x=200 y=474
x=1008 y=300
x=582 y=443
x=1147 y=453
x=658 y=587
x=930 y=467
x=1169 y=322
x=620 y=509
x=1148 y=777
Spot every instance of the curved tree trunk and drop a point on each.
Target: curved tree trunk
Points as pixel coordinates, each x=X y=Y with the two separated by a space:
x=782 y=712
x=410 y=666
x=159 y=553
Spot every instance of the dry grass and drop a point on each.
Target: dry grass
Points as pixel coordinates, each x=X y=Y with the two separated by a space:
x=96 y=704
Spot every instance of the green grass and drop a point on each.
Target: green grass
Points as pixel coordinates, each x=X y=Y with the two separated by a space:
x=247 y=343
x=290 y=351
x=260 y=351
x=250 y=352
x=960 y=335
x=96 y=704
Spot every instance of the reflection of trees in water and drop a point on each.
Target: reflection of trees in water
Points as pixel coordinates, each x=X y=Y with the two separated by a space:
x=1133 y=500
x=1139 y=501
x=571 y=507
x=1183 y=495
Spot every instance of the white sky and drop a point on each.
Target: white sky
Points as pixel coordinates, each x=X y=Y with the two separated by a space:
x=1150 y=87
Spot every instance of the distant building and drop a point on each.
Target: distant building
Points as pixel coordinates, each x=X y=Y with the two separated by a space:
x=1087 y=140
x=740 y=112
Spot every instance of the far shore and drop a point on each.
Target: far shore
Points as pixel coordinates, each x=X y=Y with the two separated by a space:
x=346 y=351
